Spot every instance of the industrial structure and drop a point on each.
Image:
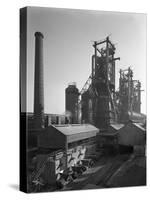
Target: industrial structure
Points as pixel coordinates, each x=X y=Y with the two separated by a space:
x=96 y=118
x=72 y=95
x=38 y=83
x=98 y=98
x=98 y=102
x=73 y=141
x=129 y=97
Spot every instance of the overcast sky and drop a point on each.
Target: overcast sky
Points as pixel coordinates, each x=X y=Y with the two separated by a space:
x=68 y=38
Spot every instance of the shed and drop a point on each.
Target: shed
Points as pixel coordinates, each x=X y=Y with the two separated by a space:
x=57 y=136
x=132 y=134
x=109 y=137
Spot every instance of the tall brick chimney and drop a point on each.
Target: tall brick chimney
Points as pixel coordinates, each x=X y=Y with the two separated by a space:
x=38 y=82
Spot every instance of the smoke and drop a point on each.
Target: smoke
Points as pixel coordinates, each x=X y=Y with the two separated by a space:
x=68 y=114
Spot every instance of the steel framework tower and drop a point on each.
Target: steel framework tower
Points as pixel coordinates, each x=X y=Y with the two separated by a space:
x=129 y=95
x=98 y=94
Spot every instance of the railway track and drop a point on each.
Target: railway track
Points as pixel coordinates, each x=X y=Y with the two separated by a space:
x=107 y=167
x=114 y=165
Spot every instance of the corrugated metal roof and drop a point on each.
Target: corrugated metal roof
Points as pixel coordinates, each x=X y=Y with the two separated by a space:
x=76 y=129
x=139 y=126
x=56 y=136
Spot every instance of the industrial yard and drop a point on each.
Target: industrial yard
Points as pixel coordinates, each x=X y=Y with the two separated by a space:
x=108 y=172
x=101 y=140
x=111 y=172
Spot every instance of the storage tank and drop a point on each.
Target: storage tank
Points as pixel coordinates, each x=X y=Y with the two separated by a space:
x=72 y=95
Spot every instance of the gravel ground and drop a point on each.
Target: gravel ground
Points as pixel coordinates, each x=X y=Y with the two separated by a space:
x=99 y=174
x=131 y=173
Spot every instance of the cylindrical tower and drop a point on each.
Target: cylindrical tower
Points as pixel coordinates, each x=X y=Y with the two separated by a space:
x=72 y=95
x=38 y=82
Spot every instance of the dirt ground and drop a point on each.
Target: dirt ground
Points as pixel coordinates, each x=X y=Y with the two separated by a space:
x=116 y=171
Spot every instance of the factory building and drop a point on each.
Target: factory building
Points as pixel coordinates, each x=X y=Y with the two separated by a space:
x=132 y=136
x=99 y=103
x=71 y=144
x=48 y=119
x=62 y=141
x=62 y=136
x=110 y=137
x=109 y=140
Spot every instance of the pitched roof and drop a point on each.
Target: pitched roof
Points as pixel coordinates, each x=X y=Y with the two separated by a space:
x=138 y=125
x=71 y=129
x=116 y=126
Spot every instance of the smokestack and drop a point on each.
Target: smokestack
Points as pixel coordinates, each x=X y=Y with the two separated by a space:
x=38 y=82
